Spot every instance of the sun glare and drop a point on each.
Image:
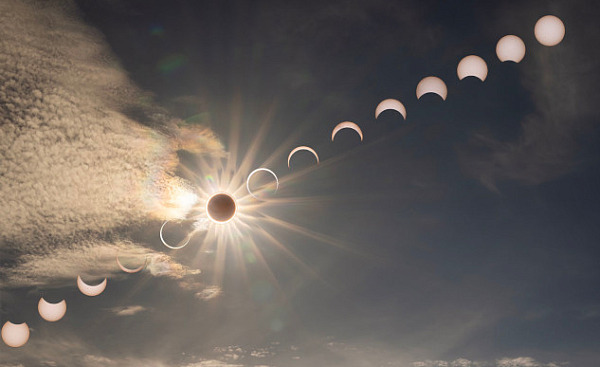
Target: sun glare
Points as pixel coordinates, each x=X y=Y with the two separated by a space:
x=238 y=202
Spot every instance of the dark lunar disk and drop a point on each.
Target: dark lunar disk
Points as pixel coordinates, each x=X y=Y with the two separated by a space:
x=221 y=207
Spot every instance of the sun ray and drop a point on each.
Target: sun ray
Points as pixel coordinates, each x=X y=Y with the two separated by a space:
x=248 y=160
x=269 y=237
x=320 y=237
x=346 y=155
x=219 y=264
x=234 y=245
x=234 y=139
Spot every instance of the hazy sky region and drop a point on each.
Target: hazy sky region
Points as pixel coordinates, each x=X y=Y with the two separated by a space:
x=465 y=235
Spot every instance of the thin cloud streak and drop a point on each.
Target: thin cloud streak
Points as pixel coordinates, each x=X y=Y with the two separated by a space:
x=127 y=310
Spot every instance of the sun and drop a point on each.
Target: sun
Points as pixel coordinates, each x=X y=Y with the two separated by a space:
x=229 y=207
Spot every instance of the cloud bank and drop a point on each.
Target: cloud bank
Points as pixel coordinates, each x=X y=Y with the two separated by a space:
x=75 y=169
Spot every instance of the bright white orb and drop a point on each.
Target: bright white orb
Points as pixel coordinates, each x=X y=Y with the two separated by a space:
x=472 y=65
x=15 y=335
x=510 y=48
x=549 y=30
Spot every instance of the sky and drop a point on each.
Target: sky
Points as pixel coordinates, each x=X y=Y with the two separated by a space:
x=462 y=236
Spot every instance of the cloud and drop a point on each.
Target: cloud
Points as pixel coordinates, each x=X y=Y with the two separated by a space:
x=562 y=82
x=92 y=259
x=208 y=293
x=66 y=350
x=71 y=351
x=127 y=310
x=164 y=265
x=503 y=362
x=524 y=362
x=212 y=363
x=76 y=168
x=91 y=360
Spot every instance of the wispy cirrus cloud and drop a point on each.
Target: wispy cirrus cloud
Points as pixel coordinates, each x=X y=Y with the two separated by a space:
x=127 y=310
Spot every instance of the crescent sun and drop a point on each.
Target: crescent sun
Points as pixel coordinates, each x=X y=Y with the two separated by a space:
x=162 y=239
x=472 y=65
x=131 y=271
x=52 y=311
x=432 y=84
x=91 y=290
x=258 y=170
x=347 y=125
x=390 y=104
x=302 y=147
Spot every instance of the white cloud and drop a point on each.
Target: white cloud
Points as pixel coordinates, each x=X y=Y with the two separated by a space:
x=518 y=362
x=261 y=353
x=92 y=259
x=526 y=362
x=62 y=350
x=164 y=265
x=503 y=362
x=91 y=360
x=208 y=293
x=127 y=310
x=212 y=363
x=75 y=167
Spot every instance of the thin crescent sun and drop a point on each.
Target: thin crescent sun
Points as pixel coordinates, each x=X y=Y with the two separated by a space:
x=258 y=170
x=347 y=125
x=302 y=147
x=132 y=271
x=162 y=239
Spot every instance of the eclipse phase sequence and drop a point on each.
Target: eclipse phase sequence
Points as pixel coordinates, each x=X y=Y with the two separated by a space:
x=221 y=208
